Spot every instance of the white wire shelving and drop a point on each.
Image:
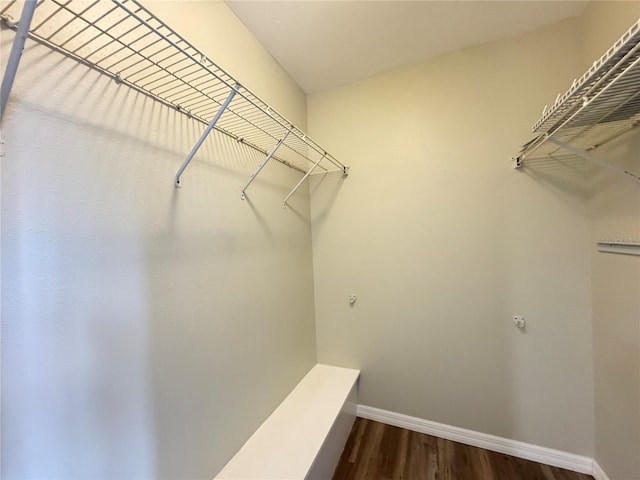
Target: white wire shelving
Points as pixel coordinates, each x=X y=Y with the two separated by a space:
x=126 y=41
x=601 y=105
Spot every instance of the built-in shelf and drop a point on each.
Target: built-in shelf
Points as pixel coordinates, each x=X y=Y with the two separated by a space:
x=127 y=42
x=598 y=107
x=627 y=248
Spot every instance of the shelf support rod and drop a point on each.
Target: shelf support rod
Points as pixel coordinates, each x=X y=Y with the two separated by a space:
x=206 y=132
x=17 y=47
x=264 y=162
x=284 y=202
x=626 y=248
x=587 y=156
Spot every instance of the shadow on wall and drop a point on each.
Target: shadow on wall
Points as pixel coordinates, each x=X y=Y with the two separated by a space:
x=566 y=177
x=615 y=214
x=147 y=330
x=329 y=192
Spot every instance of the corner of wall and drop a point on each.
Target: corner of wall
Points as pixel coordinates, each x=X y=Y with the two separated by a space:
x=614 y=211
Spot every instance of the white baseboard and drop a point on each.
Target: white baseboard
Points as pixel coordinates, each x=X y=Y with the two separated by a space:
x=549 y=456
x=598 y=473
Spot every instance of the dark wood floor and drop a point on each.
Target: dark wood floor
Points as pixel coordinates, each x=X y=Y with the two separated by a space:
x=377 y=451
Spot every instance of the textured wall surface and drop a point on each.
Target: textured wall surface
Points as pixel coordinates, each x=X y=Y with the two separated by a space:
x=147 y=331
x=615 y=213
x=444 y=242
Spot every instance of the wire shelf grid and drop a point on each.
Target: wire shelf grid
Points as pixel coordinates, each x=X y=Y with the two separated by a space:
x=616 y=59
x=126 y=41
x=601 y=106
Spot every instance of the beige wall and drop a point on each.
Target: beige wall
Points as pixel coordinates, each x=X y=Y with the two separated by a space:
x=145 y=334
x=615 y=211
x=616 y=311
x=146 y=331
x=444 y=242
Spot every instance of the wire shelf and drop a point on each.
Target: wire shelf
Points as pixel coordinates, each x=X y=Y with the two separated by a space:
x=124 y=40
x=602 y=105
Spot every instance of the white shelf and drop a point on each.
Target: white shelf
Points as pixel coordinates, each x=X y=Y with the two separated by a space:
x=124 y=40
x=304 y=436
x=600 y=106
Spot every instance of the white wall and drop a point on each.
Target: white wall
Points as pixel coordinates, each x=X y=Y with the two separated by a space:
x=444 y=242
x=146 y=331
x=615 y=212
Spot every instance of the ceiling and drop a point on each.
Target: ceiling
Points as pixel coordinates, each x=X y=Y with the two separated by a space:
x=325 y=44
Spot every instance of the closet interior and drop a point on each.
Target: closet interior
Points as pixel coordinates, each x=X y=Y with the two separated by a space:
x=157 y=326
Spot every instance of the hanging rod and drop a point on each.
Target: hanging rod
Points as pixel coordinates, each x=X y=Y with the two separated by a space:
x=127 y=42
x=599 y=107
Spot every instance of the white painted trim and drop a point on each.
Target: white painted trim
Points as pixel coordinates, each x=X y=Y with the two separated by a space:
x=549 y=456
x=598 y=473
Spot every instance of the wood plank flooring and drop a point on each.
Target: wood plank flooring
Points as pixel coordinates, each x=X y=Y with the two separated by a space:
x=376 y=451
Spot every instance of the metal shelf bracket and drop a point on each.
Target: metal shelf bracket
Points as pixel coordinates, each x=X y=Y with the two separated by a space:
x=588 y=156
x=600 y=106
x=16 y=52
x=517 y=161
x=284 y=202
x=206 y=133
x=264 y=162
